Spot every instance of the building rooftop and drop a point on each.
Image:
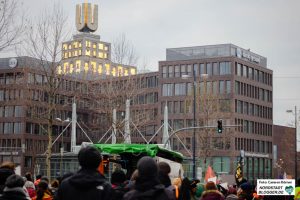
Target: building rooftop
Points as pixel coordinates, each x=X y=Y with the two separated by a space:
x=214 y=51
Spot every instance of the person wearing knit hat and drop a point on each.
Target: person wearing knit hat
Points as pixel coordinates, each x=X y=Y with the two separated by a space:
x=231 y=194
x=211 y=192
x=245 y=191
x=88 y=182
x=147 y=185
x=14 y=189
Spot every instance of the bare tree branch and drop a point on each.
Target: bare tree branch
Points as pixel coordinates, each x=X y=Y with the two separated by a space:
x=123 y=51
x=11 y=27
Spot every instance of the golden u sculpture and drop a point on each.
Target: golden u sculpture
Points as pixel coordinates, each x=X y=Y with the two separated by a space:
x=86 y=17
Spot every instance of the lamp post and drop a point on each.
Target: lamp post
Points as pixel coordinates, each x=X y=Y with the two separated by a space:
x=62 y=143
x=296 y=158
x=194 y=117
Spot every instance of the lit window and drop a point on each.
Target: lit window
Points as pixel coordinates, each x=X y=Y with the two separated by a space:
x=132 y=71
x=66 y=55
x=106 y=48
x=105 y=55
x=66 y=64
x=86 y=67
x=79 y=44
x=59 y=71
x=125 y=72
x=107 y=68
x=100 y=55
x=78 y=64
x=94 y=66
x=87 y=43
x=70 y=54
x=113 y=71
x=87 y=52
x=75 y=53
x=75 y=44
x=70 y=46
x=120 y=71
x=65 y=46
x=79 y=52
x=71 y=68
x=94 y=53
x=94 y=46
x=100 y=69
x=101 y=46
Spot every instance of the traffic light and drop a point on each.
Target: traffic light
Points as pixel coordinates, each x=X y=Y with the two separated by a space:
x=220 y=128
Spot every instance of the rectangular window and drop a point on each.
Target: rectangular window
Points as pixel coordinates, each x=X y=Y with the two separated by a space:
x=239 y=69
x=167 y=90
x=225 y=68
x=165 y=72
x=221 y=87
x=183 y=70
x=216 y=69
x=177 y=71
x=228 y=87
x=171 y=71
x=202 y=69
x=209 y=69
x=245 y=71
x=180 y=88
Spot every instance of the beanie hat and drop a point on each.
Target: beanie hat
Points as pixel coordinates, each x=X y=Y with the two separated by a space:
x=147 y=167
x=14 y=181
x=210 y=186
x=200 y=189
x=118 y=177
x=89 y=157
x=4 y=174
x=164 y=167
x=246 y=186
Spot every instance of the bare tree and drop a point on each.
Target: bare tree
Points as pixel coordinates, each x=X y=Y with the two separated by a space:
x=11 y=27
x=123 y=51
x=211 y=107
x=43 y=42
x=112 y=93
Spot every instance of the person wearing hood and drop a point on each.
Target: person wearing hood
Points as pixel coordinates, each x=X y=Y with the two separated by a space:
x=147 y=185
x=88 y=183
x=14 y=189
x=211 y=192
x=6 y=169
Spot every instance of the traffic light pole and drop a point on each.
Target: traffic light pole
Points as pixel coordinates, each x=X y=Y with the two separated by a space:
x=194 y=139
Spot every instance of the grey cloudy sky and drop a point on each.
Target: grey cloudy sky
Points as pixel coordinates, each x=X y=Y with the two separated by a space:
x=270 y=28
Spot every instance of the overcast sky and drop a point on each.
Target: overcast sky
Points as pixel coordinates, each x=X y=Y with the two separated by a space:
x=270 y=28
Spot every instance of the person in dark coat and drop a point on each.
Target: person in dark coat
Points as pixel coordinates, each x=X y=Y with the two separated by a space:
x=147 y=185
x=164 y=170
x=245 y=191
x=185 y=189
x=118 y=182
x=14 y=189
x=88 y=183
x=211 y=192
x=6 y=169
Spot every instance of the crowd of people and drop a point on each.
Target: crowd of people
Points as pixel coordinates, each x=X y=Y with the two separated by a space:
x=149 y=181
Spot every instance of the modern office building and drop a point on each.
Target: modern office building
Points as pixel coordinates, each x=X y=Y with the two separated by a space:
x=232 y=84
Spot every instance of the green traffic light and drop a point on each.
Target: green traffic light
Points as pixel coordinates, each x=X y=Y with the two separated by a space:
x=220 y=128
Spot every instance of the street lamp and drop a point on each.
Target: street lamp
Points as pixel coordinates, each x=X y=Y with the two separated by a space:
x=185 y=76
x=62 y=141
x=296 y=159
